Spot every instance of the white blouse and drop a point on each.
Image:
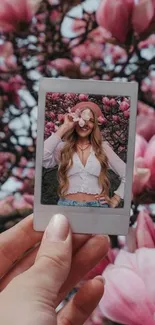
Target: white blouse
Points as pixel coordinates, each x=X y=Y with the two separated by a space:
x=84 y=178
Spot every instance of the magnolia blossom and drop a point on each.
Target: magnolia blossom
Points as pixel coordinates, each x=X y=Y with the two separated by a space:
x=149 y=159
x=144 y=165
x=119 y=17
x=99 y=268
x=15 y=11
x=146 y=125
x=145 y=230
x=83 y=97
x=62 y=64
x=129 y=296
x=106 y=101
x=124 y=106
x=81 y=117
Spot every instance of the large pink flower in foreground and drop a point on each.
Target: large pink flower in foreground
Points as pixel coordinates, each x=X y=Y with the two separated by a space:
x=141 y=172
x=145 y=231
x=149 y=158
x=129 y=296
x=14 y=12
x=144 y=165
x=143 y=235
x=114 y=16
x=120 y=16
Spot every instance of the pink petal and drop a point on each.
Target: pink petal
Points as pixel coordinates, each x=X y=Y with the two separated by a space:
x=126 y=259
x=16 y=11
x=140 y=146
x=141 y=177
x=81 y=122
x=114 y=17
x=146 y=269
x=125 y=299
x=131 y=240
x=150 y=160
x=142 y=15
x=145 y=231
x=146 y=126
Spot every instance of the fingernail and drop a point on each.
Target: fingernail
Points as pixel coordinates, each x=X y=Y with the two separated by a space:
x=57 y=229
x=100 y=278
x=108 y=238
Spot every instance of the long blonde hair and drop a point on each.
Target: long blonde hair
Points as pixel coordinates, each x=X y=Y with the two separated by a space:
x=66 y=159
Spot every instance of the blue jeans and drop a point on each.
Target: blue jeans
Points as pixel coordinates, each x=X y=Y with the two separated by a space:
x=66 y=202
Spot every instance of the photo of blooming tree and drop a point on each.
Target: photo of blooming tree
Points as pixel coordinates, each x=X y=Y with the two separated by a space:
x=87 y=39
x=114 y=126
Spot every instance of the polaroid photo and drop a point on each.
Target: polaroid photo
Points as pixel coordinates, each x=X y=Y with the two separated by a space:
x=85 y=154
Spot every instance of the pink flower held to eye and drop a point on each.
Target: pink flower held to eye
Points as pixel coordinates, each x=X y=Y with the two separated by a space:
x=85 y=115
x=81 y=117
x=81 y=122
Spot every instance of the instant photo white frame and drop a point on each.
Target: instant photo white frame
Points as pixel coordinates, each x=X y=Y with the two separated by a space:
x=90 y=220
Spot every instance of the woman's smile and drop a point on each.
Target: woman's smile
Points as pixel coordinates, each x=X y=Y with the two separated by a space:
x=85 y=128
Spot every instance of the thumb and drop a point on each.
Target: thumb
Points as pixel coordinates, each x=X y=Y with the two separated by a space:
x=53 y=260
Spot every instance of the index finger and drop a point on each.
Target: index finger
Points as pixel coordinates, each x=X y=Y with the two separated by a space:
x=16 y=241
x=22 y=237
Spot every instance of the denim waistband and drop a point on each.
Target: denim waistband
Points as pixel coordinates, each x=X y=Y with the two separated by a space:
x=66 y=202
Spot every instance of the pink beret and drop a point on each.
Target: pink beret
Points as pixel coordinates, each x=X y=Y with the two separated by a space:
x=95 y=108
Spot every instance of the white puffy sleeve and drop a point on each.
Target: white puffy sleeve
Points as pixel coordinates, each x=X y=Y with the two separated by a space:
x=52 y=148
x=118 y=166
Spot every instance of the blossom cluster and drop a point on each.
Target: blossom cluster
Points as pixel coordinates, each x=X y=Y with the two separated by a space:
x=114 y=122
x=128 y=273
x=144 y=163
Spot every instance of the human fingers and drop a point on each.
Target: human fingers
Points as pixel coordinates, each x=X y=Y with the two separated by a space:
x=16 y=241
x=28 y=260
x=90 y=254
x=23 y=265
x=53 y=261
x=81 y=306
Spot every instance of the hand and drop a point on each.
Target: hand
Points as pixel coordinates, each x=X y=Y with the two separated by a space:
x=66 y=126
x=68 y=122
x=37 y=271
x=114 y=202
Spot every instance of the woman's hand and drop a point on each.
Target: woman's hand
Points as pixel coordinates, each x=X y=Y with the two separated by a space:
x=37 y=271
x=66 y=126
x=68 y=122
x=115 y=200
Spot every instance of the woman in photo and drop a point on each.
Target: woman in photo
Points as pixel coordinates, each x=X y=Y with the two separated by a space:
x=83 y=159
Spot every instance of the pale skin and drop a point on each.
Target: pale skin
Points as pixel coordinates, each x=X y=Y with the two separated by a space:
x=32 y=285
x=83 y=139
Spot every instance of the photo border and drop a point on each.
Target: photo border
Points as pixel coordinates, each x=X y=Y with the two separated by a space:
x=90 y=220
